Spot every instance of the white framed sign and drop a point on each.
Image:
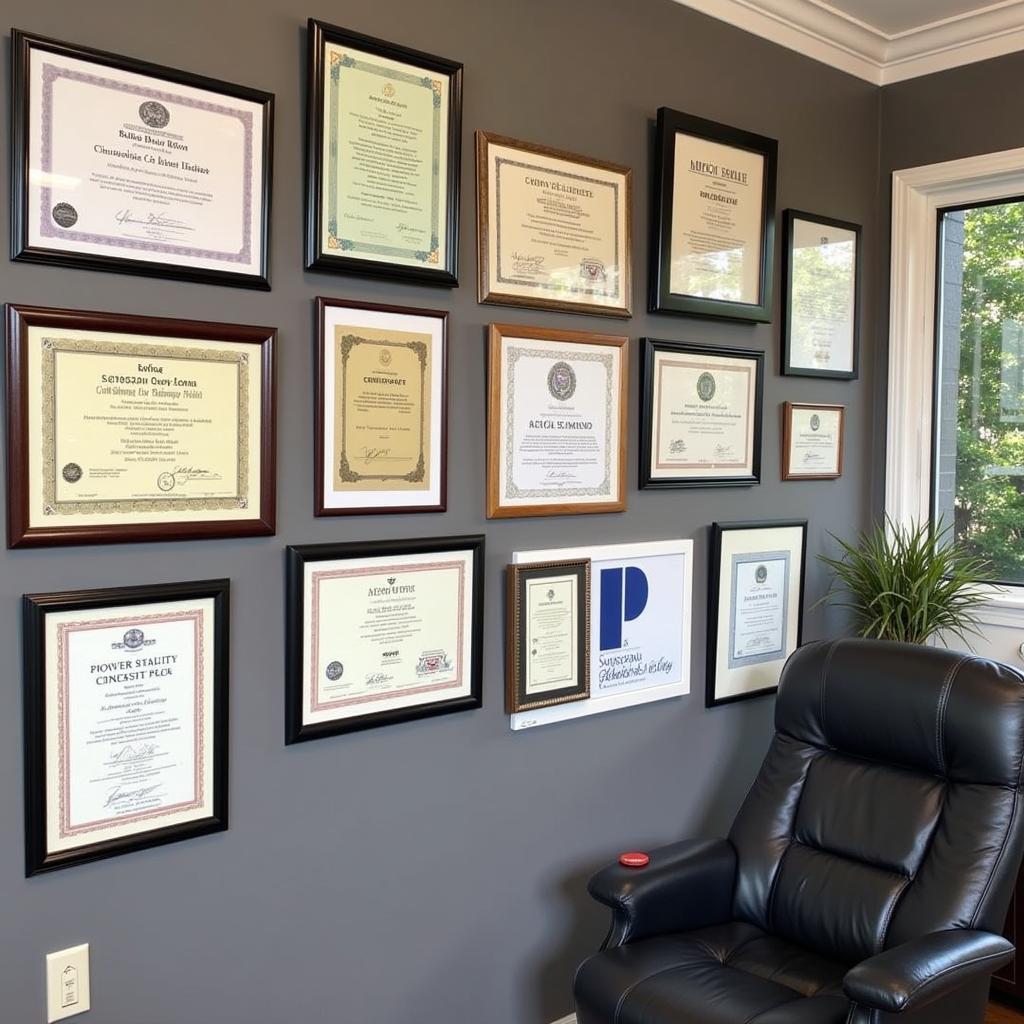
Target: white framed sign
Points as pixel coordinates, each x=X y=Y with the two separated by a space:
x=640 y=624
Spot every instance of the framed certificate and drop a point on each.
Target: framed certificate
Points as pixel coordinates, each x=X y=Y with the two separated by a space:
x=382 y=633
x=700 y=415
x=756 y=606
x=812 y=441
x=556 y=422
x=385 y=142
x=381 y=409
x=553 y=228
x=126 y=720
x=821 y=297
x=128 y=166
x=713 y=242
x=547 y=650
x=129 y=428
x=641 y=600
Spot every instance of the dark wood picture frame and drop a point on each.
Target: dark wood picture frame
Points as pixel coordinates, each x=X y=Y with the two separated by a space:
x=517 y=576
x=714 y=601
x=788 y=369
x=20 y=532
x=787 y=437
x=493 y=297
x=318 y=34
x=35 y=608
x=21 y=105
x=662 y=298
x=297 y=557
x=649 y=347
x=497 y=333
x=320 y=425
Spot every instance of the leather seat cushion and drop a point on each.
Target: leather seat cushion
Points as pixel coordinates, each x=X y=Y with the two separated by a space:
x=726 y=974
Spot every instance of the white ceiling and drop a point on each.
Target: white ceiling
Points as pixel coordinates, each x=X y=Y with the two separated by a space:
x=892 y=17
x=881 y=41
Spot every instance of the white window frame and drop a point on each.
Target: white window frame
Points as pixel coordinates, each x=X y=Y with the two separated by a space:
x=918 y=194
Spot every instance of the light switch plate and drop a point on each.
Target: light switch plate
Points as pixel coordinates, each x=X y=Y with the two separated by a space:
x=67 y=983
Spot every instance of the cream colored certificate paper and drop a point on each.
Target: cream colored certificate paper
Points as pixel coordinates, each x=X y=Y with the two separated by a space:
x=382 y=410
x=135 y=429
x=814 y=441
x=552 y=606
x=385 y=160
x=703 y=416
x=383 y=378
x=385 y=633
x=557 y=229
x=717 y=219
x=129 y=718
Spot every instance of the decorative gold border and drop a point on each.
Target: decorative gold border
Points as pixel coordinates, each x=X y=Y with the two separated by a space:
x=51 y=506
x=513 y=666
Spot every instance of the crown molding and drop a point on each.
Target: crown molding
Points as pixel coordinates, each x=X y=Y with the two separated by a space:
x=823 y=33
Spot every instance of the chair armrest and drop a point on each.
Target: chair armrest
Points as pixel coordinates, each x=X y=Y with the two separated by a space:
x=686 y=885
x=920 y=971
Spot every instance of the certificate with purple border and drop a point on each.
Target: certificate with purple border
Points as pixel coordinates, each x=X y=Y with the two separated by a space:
x=157 y=173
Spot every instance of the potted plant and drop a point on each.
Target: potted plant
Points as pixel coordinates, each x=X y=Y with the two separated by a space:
x=908 y=583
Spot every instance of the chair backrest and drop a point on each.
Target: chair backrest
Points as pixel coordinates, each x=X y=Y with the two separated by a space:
x=888 y=805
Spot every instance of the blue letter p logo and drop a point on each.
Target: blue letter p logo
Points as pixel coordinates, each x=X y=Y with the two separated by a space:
x=623 y=598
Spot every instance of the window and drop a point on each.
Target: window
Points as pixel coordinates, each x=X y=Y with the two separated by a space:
x=978 y=456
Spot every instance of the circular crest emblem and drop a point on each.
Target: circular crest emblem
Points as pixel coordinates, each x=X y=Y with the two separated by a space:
x=706 y=387
x=761 y=574
x=551 y=595
x=385 y=357
x=815 y=422
x=156 y=115
x=134 y=639
x=72 y=472
x=389 y=90
x=64 y=215
x=562 y=381
x=165 y=481
x=334 y=671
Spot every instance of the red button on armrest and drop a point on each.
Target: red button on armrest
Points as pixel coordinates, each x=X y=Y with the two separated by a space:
x=634 y=860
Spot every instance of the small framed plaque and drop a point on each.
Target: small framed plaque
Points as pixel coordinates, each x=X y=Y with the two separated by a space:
x=130 y=428
x=127 y=166
x=700 y=415
x=379 y=633
x=812 y=441
x=821 y=297
x=126 y=720
x=755 y=617
x=548 y=645
x=556 y=422
x=553 y=228
x=381 y=409
x=384 y=148
x=714 y=234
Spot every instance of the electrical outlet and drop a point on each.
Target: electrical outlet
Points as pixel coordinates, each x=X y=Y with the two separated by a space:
x=67 y=983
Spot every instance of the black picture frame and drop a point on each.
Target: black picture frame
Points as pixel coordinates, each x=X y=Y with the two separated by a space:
x=35 y=609
x=320 y=33
x=649 y=348
x=297 y=558
x=519 y=575
x=662 y=299
x=718 y=530
x=22 y=43
x=790 y=217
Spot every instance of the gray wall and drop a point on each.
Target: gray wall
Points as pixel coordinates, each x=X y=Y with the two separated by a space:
x=967 y=111
x=431 y=872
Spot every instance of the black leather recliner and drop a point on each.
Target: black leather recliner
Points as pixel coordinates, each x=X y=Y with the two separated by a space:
x=867 y=876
